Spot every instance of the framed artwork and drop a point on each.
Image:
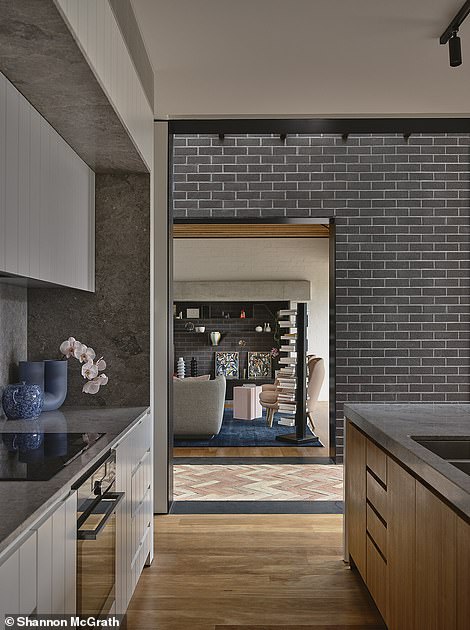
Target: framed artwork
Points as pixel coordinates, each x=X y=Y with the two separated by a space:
x=193 y=313
x=227 y=364
x=259 y=365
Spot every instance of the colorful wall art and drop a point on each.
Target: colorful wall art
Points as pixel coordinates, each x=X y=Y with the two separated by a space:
x=259 y=365
x=227 y=364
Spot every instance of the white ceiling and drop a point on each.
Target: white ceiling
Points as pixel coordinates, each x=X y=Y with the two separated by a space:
x=304 y=57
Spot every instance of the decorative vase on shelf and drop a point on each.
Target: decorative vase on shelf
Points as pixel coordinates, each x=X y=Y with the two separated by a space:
x=215 y=337
x=21 y=401
x=51 y=376
x=180 y=368
x=193 y=367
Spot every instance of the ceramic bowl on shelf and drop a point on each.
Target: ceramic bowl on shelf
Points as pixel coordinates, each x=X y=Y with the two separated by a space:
x=200 y=329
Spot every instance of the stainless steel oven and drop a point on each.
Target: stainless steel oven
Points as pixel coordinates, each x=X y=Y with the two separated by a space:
x=96 y=538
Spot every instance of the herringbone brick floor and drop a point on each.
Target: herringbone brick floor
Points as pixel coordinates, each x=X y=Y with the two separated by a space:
x=258 y=482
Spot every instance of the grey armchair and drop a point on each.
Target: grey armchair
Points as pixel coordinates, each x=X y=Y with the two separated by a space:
x=198 y=407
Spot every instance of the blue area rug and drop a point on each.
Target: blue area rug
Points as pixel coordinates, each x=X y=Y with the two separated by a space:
x=245 y=433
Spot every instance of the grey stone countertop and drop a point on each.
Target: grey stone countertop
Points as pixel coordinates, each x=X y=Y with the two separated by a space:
x=392 y=426
x=23 y=502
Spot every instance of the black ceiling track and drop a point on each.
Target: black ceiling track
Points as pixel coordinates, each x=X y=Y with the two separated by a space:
x=342 y=126
x=456 y=23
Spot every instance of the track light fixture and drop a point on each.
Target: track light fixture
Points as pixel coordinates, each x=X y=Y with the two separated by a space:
x=450 y=36
x=455 y=50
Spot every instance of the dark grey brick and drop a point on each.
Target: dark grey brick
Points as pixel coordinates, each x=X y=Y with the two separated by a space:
x=402 y=254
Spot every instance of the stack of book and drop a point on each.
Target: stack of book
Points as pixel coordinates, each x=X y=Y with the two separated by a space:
x=286 y=375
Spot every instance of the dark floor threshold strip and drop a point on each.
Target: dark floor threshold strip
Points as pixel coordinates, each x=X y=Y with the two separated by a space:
x=257 y=507
x=195 y=461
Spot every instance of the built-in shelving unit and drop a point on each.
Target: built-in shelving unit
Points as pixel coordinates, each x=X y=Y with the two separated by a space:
x=238 y=334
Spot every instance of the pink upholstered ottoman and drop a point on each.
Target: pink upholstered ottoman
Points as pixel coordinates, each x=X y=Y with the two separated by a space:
x=246 y=405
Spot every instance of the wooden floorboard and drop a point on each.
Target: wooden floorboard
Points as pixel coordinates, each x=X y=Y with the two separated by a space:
x=250 y=572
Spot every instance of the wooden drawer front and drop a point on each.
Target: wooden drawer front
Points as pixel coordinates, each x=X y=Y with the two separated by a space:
x=377 y=495
x=377 y=530
x=377 y=578
x=377 y=461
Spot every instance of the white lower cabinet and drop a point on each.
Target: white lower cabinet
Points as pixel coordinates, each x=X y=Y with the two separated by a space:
x=134 y=523
x=56 y=559
x=38 y=574
x=10 y=586
x=28 y=575
x=18 y=579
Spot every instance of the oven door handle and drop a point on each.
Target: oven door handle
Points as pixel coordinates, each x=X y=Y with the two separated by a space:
x=110 y=500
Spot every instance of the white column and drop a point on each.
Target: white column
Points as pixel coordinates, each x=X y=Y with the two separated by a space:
x=161 y=300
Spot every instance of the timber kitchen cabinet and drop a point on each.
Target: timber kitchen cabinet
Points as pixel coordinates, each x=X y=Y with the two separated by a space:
x=356 y=497
x=47 y=218
x=436 y=562
x=411 y=549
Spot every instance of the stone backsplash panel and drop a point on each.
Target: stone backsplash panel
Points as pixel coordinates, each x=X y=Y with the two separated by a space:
x=115 y=320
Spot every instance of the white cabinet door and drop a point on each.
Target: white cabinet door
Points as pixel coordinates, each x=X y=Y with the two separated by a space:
x=46 y=201
x=70 y=553
x=28 y=575
x=134 y=525
x=56 y=560
x=44 y=568
x=10 y=586
x=18 y=583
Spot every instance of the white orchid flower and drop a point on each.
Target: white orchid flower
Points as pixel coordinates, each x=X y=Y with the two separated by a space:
x=84 y=354
x=93 y=387
x=79 y=350
x=68 y=347
x=103 y=379
x=89 y=370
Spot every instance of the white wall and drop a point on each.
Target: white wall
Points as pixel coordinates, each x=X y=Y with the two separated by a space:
x=265 y=259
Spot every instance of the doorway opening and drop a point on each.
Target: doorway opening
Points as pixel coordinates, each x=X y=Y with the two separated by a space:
x=237 y=279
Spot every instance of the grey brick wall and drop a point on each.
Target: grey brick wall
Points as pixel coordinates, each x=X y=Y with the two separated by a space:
x=402 y=253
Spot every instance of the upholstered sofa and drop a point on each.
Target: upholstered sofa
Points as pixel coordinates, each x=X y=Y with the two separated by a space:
x=198 y=407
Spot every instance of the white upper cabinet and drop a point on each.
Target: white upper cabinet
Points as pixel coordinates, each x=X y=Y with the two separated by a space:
x=96 y=31
x=47 y=198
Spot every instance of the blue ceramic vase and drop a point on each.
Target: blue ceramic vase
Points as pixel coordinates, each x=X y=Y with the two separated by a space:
x=51 y=376
x=21 y=401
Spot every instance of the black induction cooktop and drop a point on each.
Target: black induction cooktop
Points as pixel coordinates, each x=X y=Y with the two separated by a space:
x=38 y=456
